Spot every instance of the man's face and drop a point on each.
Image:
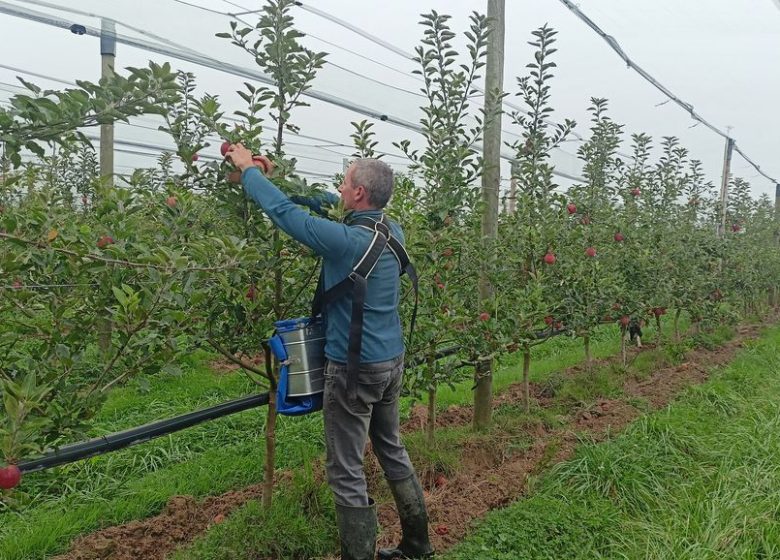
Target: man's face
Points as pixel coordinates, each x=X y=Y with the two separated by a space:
x=350 y=193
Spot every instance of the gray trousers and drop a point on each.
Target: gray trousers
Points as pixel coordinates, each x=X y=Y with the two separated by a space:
x=347 y=429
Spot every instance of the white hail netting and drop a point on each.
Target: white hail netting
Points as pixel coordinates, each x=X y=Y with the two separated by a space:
x=703 y=51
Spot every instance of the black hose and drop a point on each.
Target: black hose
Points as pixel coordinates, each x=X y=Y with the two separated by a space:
x=141 y=434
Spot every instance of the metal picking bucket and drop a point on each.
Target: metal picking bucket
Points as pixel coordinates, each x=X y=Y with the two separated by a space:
x=305 y=346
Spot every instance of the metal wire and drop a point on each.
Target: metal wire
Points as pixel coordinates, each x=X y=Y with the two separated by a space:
x=688 y=107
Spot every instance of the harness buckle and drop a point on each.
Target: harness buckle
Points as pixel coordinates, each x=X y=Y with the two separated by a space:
x=384 y=230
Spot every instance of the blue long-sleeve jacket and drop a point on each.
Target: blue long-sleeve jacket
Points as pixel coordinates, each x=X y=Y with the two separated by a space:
x=340 y=246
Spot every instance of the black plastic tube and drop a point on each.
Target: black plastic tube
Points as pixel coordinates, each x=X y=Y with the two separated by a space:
x=133 y=436
x=141 y=434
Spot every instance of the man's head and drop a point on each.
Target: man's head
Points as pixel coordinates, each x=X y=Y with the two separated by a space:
x=367 y=185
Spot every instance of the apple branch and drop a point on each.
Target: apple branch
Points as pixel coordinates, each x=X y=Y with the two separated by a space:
x=124 y=263
x=234 y=359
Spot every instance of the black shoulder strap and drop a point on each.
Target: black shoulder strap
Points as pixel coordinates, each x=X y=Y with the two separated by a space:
x=404 y=263
x=364 y=267
x=357 y=283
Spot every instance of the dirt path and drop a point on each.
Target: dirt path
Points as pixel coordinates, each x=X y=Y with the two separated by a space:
x=489 y=477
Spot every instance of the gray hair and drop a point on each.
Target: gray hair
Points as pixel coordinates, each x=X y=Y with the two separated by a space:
x=376 y=177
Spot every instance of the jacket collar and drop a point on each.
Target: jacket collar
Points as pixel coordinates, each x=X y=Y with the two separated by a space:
x=354 y=215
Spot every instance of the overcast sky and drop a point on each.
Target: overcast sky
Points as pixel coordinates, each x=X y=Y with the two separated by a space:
x=719 y=55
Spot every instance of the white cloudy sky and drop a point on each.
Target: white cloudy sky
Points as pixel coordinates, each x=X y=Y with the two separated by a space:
x=719 y=55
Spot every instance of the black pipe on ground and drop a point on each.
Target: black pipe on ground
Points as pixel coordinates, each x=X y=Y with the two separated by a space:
x=141 y=434
x=134 y=436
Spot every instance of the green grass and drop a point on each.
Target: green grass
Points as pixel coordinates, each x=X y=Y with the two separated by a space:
x=697 y=480
x=445 y=455
x=606 y=381
x=205 y=460
x=127 y=407
x=135 y=483
x=300 y=524
x=553 y=356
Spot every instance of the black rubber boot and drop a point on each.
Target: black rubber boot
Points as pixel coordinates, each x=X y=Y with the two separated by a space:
x=409 y=499
x=357 y=530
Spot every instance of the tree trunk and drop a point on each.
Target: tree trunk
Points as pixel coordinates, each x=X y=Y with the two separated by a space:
x=623 y=353
x=483 y=394
x=677 y=325
x=105 y=327
x=430 y=426
x=270 y=426
x=588 y=357
x=658 y=330
x=526 y=372
x=270 y=451
x=272 y=372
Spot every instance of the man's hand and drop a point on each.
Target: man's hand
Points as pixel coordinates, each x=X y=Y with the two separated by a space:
x=240 y=156
x=243 y=159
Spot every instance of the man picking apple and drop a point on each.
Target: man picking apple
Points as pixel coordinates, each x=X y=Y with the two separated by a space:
x=366 y=407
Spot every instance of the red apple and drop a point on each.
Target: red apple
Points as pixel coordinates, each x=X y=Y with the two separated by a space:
x=619 y=237
x=171 y=201
x=549 y=258
x=223 y=149
x=260 y=162
x=251 y=294
x=549 y=320
x=484 y=316
x=440 y=481
x=105 y=241
x=590 y=251
x=558 y=325
x=440 y=285
x=441 y=530
x=636 y=191
x=625 y=320
x=572 y=208
x=195 y=157
x=735 y=228
x=10 y=476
